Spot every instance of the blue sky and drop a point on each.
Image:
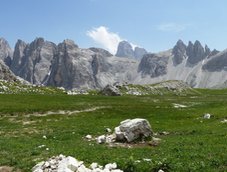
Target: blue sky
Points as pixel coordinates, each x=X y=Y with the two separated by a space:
x=153 y=24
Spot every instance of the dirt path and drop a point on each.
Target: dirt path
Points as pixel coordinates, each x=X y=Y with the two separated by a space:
x=66 y=112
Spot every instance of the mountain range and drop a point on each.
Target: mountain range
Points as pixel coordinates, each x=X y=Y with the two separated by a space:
x=67 y=65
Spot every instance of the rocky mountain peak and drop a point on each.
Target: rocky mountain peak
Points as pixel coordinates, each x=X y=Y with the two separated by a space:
x=207 y=50
x=195 y=52
x=33 y=61
x=139 y=52
x=125 y=50
x=101 y=51
x=5 y=52
x=38 y=42
x=19 y=52
x=69 y=44
x=180 y=44
x=179 y=52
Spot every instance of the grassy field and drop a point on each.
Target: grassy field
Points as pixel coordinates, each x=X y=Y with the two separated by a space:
x=194 y=143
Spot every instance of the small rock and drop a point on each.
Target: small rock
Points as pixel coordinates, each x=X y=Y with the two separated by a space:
x=94 y=165
x=156 y=139
x=41 y=146
x=101 y=139
x=111 y=138
x=161 y=170
x=44 y=137
x=89 y=137
x=46 y=164
x=147 y=160
x=108 y=130
x=207 y=116
x=164 y=133
x=111 y=166
x=224 y=121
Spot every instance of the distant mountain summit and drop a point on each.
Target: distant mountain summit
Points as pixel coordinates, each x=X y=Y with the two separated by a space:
x=67 y=65
x=5 y=52
x=125 y=49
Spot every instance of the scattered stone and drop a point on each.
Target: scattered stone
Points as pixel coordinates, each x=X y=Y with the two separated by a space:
x=101 y=139
x=161 y=170
x=137 y=161
x=164 y=133
x=88 y=137
x=94 y=165
x=207 y=116
x=108 y=130
x=146 y=159
x=62 y=163
x=111 y=166
x=44 y=137
x=156 y=139
x=179 y=105
x=41 y=146
x=110 y=138
x=224 y=121
x=131 y=130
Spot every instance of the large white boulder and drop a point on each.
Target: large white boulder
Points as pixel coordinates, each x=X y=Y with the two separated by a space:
x=132 y=129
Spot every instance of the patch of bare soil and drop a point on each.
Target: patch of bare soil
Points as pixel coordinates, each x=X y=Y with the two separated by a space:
x=8 y=169
x=66 y=112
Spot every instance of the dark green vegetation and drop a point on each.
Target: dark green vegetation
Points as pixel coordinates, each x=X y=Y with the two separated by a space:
x=194 y=144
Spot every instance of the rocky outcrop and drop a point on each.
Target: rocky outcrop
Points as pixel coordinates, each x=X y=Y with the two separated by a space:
x=71 y=67
x=195 y=52
x=153 y=65
x=139 y=52
x=33 y=61
x=131 y=130
x=101 y=51
x=6 y=74
x=5 y=52
x=18 y=56
x=111 y=90
x=125 y=50
x=217 y=63
x=74 y=67
x=179 y=52
x=62 y=163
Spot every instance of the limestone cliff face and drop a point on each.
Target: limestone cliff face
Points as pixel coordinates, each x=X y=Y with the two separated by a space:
x=33 y=61
x=153 y=65
x=71 y=67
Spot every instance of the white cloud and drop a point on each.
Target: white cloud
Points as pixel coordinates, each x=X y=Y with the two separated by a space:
x=105 y=38
x=172 y=27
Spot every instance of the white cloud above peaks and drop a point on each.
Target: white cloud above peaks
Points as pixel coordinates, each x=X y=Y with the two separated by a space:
x=107 y=39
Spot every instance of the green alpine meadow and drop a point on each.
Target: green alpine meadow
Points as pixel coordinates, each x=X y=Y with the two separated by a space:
x=30 y=133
